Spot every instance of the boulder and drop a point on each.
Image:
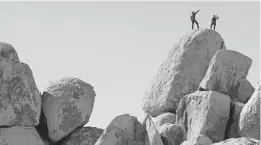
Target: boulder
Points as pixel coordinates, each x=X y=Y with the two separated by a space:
x=67 y=104
x=182 y=71
x=18 y=135
x=239 y=141
x=226 y=70
x=249 y=121
x=164 y=118
x=83 y=136
x=245 y=90
x=204 y=112
x=199 y=140
x=112 y=136
x=123 y=130
x=20 y=99
x=172 y=134
x=152 y=136
x=232 y=130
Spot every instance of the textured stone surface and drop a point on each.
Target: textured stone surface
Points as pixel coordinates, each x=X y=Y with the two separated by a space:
x=83 y=136
x=239 y=141
x=226 y=70
x=249 y=122
x=164 y=118
x=245 y=90
x=152 y=136
x=67 y=104
x=172 y=134
x=232 y=129
x=123 y=130
x=20 y=136
x=204 y=113
x=199 y=140
x=182 y=71
x=20 y=99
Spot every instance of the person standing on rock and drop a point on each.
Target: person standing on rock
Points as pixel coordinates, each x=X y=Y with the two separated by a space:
x=213 y=21
x=193 y=19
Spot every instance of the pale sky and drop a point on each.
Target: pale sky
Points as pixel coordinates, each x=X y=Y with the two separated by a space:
x=117 y=47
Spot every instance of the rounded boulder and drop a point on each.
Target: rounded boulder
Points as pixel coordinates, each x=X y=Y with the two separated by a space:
x=67 y=104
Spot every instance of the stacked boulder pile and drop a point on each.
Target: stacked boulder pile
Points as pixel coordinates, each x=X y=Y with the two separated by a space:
x=55 y=117
x=204 y=85
x=200 y=96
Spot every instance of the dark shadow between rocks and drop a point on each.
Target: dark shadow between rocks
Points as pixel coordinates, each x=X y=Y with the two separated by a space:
x=230 y=120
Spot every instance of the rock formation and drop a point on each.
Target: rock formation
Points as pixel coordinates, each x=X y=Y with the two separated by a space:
x=239 y=141
x=232 y=129
x=199 y=140
x=164 y=118
x=245 y=90
x=20 y=99
x=20 y=104
x=249 y=122
x=200 y=96
x=172 y=134
x=20 y=136
x=182 y=72
x=83 y=136
x=67 y=104
x=152 y=136
x=204 y=113
x=123 y=130
x=226 y=70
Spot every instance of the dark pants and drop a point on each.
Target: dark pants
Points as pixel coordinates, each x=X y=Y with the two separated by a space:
x=194 y=21
x=214 y=25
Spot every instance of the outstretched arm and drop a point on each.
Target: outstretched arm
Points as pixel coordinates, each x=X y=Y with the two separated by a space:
x=197 y=11
x=217 y=17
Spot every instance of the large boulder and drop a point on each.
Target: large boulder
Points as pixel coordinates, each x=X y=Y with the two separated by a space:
x=18 y=135
x=232 y=129
x=239 y=141
x=123 y=130
x=112 y=136
x=226 y=70
x=172 y=134
x=67 y=104
x=20 y=99
x=249 y=122
x=83 y=136
x=182 y=71
x=164 y=118
x=199 y=140
x=152 y=136
x=205 y=112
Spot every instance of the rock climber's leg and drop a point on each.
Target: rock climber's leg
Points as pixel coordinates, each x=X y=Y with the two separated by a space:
x=214 y=26
x=196 y=23
x=192 y=24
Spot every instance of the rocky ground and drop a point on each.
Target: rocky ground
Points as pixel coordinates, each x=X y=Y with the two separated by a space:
x=200 y=96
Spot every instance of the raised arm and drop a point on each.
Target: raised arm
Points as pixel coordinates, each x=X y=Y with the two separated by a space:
x=197 y=11
x=217 y=16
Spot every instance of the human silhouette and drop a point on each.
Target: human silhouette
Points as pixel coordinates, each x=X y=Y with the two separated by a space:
x=193 y=19
x=213 y=21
